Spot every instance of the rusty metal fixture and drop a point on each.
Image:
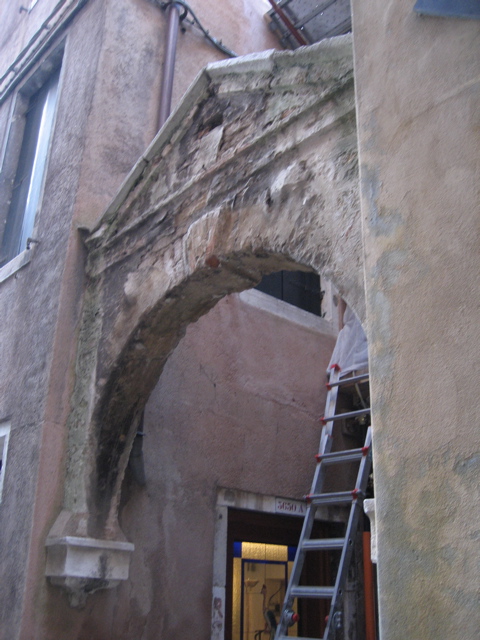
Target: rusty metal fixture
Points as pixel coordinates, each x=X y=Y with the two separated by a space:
x=288 y=23
x=213 y=262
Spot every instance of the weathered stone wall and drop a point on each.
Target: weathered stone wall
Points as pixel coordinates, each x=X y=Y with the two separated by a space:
x=218 y=200
x=417 y=81
x=106 y=117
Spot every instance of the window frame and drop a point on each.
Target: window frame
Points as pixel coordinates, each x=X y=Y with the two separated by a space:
x=17 y=251
x=300 y=289
x=5 y=429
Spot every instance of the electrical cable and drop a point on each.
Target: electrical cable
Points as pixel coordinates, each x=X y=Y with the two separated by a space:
x=187 y=9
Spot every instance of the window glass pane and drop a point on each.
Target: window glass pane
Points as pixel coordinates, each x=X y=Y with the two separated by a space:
x=40 y=159
x=29 y=177
x=4 y=436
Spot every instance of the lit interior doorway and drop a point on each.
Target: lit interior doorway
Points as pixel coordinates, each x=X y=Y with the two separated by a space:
x=260 y=575
x=260 y=552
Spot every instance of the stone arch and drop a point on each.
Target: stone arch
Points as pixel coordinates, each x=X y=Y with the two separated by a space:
x=218 y=200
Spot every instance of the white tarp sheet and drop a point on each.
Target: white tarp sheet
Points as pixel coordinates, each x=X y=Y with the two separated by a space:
x=350 y=351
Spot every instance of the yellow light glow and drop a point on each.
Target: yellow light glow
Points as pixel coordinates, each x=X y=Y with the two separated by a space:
x=236 y=597
x=259 y=551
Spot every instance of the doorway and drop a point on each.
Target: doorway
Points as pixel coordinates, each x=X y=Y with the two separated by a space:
x=260 y=553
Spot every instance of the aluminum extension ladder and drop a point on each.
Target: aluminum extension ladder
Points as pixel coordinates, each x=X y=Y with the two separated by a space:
x=317 y=498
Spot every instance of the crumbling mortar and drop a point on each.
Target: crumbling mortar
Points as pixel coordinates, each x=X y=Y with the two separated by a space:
x=219 y=196
x=130 y=239
x=110 y=238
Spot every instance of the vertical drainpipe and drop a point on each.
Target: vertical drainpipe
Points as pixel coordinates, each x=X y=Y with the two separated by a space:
x=169 y=63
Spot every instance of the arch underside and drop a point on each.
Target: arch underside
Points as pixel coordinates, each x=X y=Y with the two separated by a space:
x=255 y=172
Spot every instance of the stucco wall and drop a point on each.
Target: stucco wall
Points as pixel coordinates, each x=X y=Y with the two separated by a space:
x=241 y=26
x=237 y=405
x=106 y=116
x=19 y=27
x=418 y=106
x=36 y=370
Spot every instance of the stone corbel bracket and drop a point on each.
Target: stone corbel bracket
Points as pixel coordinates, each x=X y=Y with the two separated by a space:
x=84 y=565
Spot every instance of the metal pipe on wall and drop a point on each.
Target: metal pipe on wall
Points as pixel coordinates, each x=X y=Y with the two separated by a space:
x=169 y=63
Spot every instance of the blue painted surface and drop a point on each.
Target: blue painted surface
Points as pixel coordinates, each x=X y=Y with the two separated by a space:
x=449 y=8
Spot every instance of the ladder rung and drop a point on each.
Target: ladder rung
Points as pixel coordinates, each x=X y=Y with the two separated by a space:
x=342 y=456
x=342 y=416
x=352 y=380
x=317 y=497
x=326 y=544
x=340 y=497
x=312 y=592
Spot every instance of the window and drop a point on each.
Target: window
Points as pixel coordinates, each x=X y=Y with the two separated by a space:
x=299 y=288
x=4 y=436
x=17 y=221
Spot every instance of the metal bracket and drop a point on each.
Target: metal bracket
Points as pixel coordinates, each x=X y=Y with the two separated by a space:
x=338 y=620
x=183 y=14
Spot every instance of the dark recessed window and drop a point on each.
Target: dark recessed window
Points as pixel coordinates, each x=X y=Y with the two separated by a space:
x=299 y=288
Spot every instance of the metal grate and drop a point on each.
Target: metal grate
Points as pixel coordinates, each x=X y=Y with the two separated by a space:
x=315 y=20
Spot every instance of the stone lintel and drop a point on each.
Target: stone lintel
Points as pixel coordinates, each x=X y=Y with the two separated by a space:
x=85 y=565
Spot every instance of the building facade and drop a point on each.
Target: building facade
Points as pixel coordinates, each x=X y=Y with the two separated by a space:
x=153 y=406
